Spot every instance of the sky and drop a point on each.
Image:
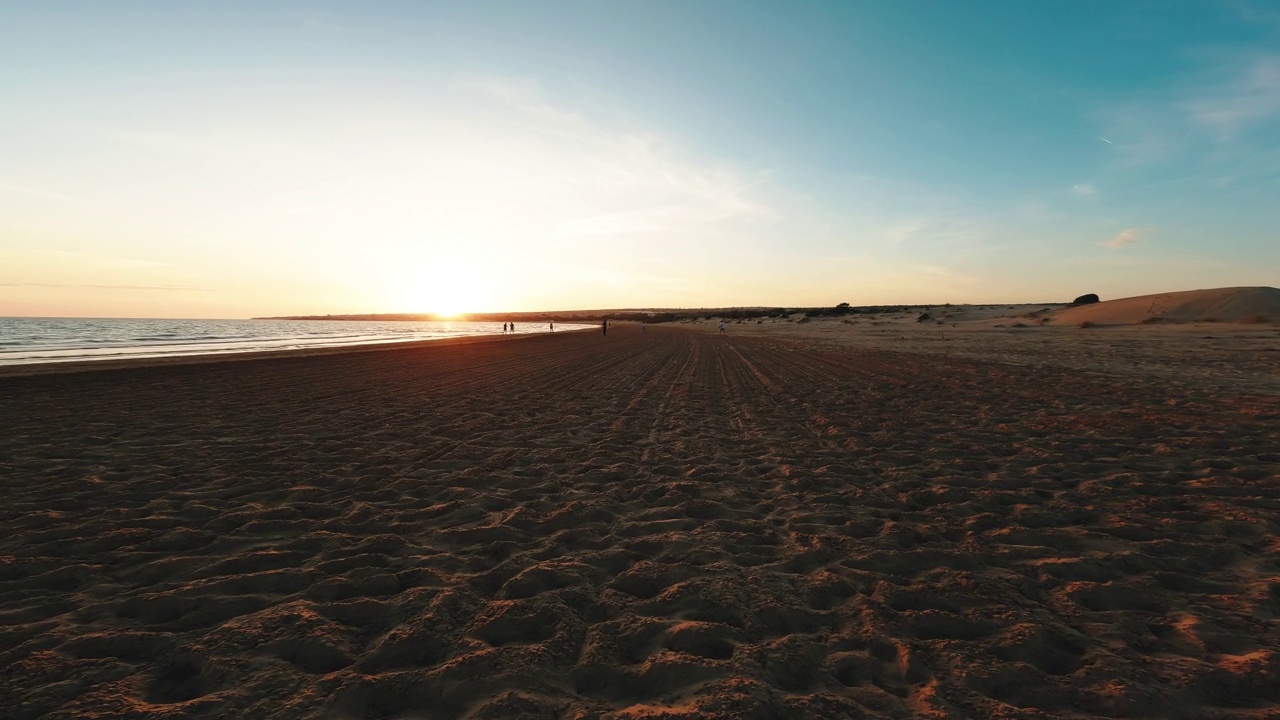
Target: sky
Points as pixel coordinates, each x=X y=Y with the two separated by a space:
x=238 y=159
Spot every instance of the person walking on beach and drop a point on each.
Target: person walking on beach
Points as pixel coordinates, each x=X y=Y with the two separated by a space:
x=604 y=327
x=552 y=325
x=721 y=327
x=504 y=328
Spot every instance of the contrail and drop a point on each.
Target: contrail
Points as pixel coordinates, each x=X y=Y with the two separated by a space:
x=1105 y=140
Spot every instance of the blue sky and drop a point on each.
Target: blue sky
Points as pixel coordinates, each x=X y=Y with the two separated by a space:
x=226 y=159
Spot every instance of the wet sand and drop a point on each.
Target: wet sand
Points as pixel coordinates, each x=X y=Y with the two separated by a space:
x=649 y=525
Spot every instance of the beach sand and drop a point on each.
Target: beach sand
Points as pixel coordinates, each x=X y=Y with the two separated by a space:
x=820 y=521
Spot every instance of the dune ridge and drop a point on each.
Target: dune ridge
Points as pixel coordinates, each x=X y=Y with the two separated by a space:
x=1231 y=305
x=667 y=524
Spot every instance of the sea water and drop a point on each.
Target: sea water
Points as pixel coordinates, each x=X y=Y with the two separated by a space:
x=41 y=340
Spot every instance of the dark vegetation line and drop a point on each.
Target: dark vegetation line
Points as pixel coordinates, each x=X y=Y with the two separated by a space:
x=658 y=315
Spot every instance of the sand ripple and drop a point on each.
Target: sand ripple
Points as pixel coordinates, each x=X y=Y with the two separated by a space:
x=658 y=525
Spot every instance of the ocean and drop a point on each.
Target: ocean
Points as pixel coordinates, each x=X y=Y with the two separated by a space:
x=43 y=340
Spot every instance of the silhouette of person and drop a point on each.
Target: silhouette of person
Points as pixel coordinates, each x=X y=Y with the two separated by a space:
x=604 y=327
x=504 y=328
x=552 y=325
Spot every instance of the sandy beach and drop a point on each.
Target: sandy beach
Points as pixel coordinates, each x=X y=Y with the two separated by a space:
x=819 y=520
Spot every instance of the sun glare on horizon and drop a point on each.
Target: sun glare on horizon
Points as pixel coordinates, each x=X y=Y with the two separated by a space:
x=448 y=290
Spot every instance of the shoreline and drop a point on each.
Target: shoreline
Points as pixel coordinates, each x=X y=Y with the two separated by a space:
x=82 y=366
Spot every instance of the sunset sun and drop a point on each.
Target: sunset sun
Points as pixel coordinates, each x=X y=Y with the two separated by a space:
x=447 y=290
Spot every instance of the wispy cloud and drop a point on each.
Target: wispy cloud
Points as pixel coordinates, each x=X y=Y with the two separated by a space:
x=1207 y=115
x=106 y=260
x=898 y=233
x=932 y=231
x=108 y=287
x=1141 y=133
x=648 y=220
x=1127 y=236
x=1252 y=95
x=1258 y=12
x=36 y=192
x=632 y=181
x=528 y=99
x=1085 y=189
x=33 y=192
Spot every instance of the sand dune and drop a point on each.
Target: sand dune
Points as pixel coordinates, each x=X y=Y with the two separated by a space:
x=662 y=525
x=1233 y=305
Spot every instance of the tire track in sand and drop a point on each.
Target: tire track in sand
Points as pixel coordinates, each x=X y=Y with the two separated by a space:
x=669 y=522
